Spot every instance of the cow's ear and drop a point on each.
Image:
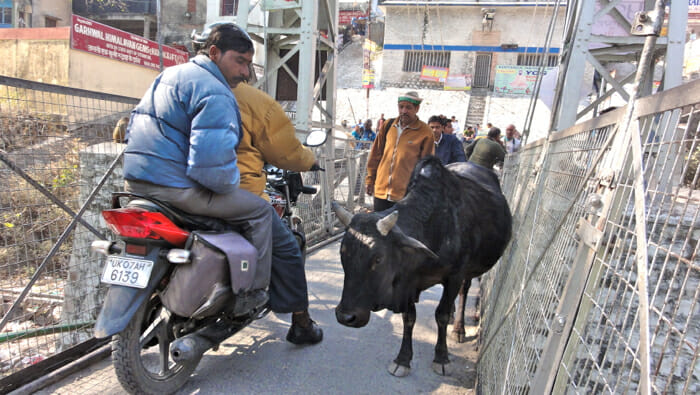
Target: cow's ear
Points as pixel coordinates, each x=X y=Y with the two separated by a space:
x=414 y=244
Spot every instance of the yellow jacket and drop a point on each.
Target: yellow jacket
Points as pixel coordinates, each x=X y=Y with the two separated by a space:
x=268 y=137
x=392 y=160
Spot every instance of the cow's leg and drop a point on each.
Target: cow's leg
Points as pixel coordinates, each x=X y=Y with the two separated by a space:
x=401 y=366
x=458 y=332
x=442 y=316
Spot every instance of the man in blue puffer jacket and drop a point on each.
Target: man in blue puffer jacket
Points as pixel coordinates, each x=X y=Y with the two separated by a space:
x=182 y=140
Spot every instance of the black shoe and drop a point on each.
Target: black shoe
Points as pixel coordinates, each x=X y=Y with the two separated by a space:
x=299 y=335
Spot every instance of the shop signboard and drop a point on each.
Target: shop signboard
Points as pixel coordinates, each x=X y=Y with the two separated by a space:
x=102 y=40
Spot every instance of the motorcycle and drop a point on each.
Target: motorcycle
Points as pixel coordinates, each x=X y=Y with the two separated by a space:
x=178 y=283
x=283 y=188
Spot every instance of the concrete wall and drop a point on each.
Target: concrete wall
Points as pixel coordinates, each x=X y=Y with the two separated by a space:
x=461 y=26
x=41 y=9
x=176 y=26
x=96 y=73
x=44 y=55
x=39 y=54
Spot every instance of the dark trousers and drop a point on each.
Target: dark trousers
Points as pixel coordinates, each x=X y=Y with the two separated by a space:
x=382 y=204
x=288 y=290
x=239 y=207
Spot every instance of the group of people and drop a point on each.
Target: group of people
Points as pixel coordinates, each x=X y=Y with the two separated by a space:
x=402 y=141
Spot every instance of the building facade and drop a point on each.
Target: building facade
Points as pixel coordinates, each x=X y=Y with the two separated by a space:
x=466 y=38
x=179 y=18
x=34 y=13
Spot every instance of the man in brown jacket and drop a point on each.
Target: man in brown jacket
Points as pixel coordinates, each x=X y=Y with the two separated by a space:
x=269 y=137
x=395 y=152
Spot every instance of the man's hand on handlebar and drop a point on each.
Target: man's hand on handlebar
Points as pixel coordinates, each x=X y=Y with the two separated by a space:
x=316 y=167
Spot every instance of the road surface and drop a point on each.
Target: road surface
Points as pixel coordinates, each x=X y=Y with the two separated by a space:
x=348 y=361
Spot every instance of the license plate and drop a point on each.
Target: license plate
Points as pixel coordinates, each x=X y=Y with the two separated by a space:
x=129 y=272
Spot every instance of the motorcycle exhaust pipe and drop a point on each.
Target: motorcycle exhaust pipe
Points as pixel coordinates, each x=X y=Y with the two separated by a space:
x=189 y=347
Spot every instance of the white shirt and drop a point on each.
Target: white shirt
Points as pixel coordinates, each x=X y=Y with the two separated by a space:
x=512 y=145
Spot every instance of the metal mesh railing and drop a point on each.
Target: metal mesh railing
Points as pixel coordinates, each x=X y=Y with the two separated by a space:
x=59 y=168
x=49 y=290
x=561 y=311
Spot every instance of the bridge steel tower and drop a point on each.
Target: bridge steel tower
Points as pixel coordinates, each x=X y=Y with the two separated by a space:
x=584 y=47
x=298 y=38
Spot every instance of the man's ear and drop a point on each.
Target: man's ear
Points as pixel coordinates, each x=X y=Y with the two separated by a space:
x=214 y=53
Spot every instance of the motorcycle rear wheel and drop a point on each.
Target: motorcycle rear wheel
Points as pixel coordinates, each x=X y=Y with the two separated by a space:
x=141 y=367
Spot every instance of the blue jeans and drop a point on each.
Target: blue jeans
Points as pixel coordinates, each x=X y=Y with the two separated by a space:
x=288 y=290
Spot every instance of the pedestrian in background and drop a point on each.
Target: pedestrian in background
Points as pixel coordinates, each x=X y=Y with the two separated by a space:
x=455 y=126
x=395 y=152
x=487 y=152
x=380 y=122
x=512 y=143
x=447 y=148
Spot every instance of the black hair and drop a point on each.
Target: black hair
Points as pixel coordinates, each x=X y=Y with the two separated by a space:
x=228 y=37
x=436 y=118
x=494 y=133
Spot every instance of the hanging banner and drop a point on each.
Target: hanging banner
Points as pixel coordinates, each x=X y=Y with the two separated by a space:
x=368 y=49
x=517 y=80
x=432 y=73
x=98 y=39
x=458 y=82
x=345 y=16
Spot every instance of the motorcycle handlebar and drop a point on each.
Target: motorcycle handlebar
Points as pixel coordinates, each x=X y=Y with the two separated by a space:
x=316 y=167
x=309 y=190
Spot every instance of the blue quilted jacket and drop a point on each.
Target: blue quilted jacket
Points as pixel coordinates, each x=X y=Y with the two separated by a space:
x=185 y=130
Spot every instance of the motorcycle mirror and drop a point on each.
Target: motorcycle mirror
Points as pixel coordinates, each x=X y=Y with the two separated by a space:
x=316 y=138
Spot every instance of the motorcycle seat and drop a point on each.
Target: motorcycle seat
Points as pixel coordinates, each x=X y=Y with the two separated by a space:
x=179 y=217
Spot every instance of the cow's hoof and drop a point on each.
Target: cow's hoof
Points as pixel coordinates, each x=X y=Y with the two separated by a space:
x=397 y=370
x=442 y=369
x=458 y=337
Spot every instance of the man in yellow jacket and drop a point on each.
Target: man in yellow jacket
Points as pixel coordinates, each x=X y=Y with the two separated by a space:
x=269 y=137
x=395 y=152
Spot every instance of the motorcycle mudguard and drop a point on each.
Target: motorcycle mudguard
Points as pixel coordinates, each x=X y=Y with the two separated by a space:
x=121 y=303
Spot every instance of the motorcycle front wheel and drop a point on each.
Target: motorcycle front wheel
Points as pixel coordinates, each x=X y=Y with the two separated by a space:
x=141 y=353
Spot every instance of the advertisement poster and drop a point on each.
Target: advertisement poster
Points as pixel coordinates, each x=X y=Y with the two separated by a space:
x=432 y=73
x=458 y=82
x=98 y=39
x=517 y=80
x=369 y=48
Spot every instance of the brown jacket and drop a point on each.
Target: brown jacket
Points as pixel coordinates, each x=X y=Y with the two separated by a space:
x=268 y=137
x=392 y=160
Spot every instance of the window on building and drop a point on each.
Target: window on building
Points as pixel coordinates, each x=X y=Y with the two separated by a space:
x=50 y=22
x=6 y=14
x=534 y=59
x=415 y=60
x=229 y=7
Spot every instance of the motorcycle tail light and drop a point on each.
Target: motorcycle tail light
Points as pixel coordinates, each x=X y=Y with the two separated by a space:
x=142 y=224
x=279 y=208
x=136 y=249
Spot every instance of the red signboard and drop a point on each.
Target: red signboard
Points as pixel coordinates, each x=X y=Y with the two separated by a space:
x=103 y=40
x=345 y=17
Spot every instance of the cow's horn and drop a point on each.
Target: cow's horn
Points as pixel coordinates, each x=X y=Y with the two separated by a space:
x=344 y=216
x=385 y=224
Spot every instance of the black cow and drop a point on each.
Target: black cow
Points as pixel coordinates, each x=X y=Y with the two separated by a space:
x=452 y=226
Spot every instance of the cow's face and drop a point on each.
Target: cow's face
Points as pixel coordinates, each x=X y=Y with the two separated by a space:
x=379 y=261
